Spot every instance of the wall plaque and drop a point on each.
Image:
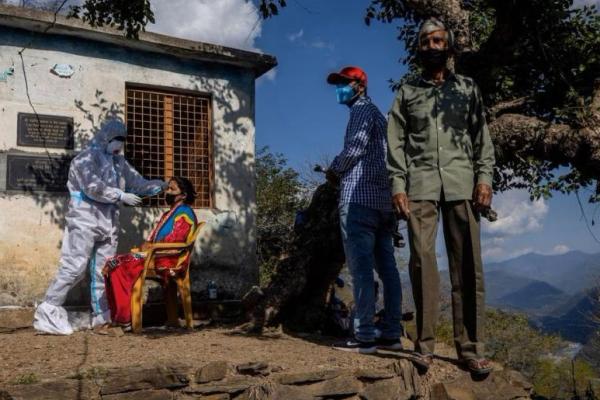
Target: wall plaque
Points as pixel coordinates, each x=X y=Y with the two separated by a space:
x=50 y=131
x=37 y=173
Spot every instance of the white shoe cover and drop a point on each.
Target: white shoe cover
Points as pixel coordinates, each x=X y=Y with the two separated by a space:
x=100 y=319
x=52 y=319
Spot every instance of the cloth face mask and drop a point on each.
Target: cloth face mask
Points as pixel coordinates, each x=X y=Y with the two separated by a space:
x=344 y=93
x=433 y=58
x=171 y=198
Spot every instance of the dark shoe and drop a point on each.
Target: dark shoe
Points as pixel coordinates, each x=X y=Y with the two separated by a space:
x=478 y=366
x=356 y=346
x=388 y=344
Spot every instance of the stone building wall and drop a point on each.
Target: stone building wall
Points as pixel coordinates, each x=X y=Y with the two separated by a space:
x=31 y=224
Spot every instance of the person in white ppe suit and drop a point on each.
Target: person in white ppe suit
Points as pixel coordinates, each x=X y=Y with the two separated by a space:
x=100 y=179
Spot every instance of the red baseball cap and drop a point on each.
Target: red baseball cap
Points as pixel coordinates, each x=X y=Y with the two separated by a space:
x=347 y=75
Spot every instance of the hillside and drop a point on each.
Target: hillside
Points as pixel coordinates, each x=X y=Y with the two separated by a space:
x=499 y=284
x=536 y=298
x=553 y=290
x=576 y=322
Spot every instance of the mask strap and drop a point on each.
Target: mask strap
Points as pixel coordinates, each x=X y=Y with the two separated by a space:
x=356 y=92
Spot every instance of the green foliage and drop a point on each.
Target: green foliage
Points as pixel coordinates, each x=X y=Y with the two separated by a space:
x=482 y=22
x=562 y=379
x=278 y=198
x=512 y=341
x=444 y=332
x=130 y=16
x=270 y=8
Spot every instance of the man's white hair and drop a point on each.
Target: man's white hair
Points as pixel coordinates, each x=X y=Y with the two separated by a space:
x=432 y=25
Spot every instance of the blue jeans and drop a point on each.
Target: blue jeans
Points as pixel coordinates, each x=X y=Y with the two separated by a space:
x=367 y=237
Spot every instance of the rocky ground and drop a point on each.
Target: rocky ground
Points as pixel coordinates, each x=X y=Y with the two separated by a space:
x=213 y=362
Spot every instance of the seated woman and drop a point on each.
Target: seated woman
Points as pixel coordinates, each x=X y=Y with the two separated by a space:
x=174 y=226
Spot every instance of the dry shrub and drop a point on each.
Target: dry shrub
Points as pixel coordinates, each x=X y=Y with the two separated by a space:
x=24 y=279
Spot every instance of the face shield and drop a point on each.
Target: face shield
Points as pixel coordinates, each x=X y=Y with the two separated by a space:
x=110 y=130
x=115 y=146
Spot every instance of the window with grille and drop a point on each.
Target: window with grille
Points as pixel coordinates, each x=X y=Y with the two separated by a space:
x=170 y=134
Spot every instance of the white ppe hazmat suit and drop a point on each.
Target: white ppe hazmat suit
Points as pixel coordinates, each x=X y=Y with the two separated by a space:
x=98 y=181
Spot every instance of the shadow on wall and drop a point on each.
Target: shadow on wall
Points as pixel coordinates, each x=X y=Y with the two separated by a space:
x=225 y=251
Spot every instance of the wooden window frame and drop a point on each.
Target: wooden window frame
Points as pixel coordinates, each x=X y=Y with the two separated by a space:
x=168 y=169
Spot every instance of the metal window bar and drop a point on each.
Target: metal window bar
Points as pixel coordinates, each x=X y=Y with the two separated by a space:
x=170 y=135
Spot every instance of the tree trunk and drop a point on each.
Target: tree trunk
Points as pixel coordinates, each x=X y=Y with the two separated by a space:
x=298 y=291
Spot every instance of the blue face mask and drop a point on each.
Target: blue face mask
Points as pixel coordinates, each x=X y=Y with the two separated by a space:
x=344 y=93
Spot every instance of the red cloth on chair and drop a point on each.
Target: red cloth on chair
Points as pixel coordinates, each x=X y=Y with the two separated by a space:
x=119 y=283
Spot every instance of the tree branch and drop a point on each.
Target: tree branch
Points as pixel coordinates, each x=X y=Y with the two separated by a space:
x=509 y=105
x=521 y=135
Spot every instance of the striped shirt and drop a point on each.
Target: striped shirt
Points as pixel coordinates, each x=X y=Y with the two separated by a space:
x=362 y=163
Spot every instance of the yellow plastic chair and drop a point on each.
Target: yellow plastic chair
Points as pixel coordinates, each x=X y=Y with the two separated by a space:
x=182 y=282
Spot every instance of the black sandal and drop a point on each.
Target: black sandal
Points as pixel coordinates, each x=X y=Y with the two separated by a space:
x=478 y=366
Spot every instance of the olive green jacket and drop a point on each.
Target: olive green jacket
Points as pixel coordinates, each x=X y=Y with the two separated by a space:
x=438 y=140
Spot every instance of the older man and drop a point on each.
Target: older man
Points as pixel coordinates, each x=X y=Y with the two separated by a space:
x=440 y=160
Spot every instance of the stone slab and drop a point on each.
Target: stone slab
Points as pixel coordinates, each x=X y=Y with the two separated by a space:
x=307 y=377
x=142 y=395
x=183 y=396
x=373 y=374
x=410 y=380
x=284 y=392
x=231 y=385
x=344 y=385
x=253 y=368
x=385 y=390
x=65 y=389
x=496 y=386
x=132 y=379
x=213 y=371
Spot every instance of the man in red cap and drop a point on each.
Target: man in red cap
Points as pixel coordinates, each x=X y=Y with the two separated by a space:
x=366 y=217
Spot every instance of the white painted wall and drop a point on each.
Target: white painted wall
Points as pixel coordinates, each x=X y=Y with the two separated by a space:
x=31 y=225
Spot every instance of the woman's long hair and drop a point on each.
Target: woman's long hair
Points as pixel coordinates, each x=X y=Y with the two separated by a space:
x=186 y=186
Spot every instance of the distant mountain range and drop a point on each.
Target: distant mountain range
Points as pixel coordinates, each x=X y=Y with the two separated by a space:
x=556 y=292
x=571 y=272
